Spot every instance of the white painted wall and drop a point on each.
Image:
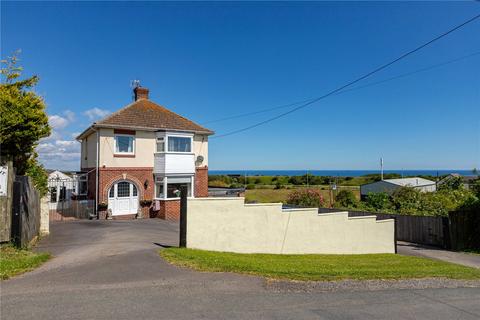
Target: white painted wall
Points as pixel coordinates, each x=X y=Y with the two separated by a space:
x=145 y=147
x=227 y=224
x=44 y=216
x=174 y=163
x=89 y=151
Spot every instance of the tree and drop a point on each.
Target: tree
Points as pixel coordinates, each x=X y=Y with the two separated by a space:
x=345 y=199
x=23 y=120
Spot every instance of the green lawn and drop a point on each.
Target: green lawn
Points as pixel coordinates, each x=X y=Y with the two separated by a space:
x=281 y=195
x=14 y=261
x=318 y=267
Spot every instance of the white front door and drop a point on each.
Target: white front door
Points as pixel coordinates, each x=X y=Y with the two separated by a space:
x=123 y=198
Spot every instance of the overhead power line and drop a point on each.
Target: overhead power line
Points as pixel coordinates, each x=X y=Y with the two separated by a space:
x=384 y=66
x=403 y=75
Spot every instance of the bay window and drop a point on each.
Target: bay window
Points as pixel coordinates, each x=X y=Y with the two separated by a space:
x=159 y=187
x=160 y=144
x=179 y=144
x=167 y=187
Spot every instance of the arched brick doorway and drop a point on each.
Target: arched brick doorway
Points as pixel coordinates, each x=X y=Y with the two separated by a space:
x=123 y=198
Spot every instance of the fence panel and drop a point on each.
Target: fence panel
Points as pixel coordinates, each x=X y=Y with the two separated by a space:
x=465 y=229
x=72 y=210
x=417 y=229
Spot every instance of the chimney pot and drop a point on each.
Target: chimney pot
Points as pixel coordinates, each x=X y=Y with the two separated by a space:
x=140 y=93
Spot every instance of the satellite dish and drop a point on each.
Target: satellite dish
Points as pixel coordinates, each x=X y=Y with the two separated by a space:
x=199 y=159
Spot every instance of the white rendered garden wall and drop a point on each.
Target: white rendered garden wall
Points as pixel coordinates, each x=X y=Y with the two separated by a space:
x=227 y=224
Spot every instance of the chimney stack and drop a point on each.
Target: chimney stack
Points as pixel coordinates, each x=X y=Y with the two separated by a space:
x=140 y=93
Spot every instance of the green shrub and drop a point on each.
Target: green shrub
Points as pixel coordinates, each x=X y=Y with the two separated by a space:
x=250 y=186
x=345 y=199
x=378 y=201
x=306 y=198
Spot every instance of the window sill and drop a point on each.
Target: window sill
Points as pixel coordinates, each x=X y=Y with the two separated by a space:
x=171 y=199
x=173 y=152
x=124 y=155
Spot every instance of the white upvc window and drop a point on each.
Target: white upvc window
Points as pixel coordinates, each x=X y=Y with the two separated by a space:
x=159 y=187
x=179 y=144
x=168 y=187
x=125 y=144
x=160 y=144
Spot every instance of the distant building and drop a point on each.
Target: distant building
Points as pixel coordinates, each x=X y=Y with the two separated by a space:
x=466 y=180
x=62 y=186
x=390 y=185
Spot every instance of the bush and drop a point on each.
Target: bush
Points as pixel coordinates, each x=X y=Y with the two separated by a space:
x=38 y=175
x=250 y=186
x=378 y=201
x=345 y=199
x=278 y=185
x=306 y=198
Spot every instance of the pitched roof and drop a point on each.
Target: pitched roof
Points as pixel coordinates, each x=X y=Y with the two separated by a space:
x=147 y=115
x=410 y=182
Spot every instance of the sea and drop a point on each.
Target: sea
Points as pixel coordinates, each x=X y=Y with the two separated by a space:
x=337 y=173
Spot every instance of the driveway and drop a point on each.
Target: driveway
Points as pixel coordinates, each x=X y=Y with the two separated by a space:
x=418 y=250
x=111 y=270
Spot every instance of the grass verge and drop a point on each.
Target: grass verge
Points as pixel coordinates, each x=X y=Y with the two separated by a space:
x=14 y=261
x=318 y=267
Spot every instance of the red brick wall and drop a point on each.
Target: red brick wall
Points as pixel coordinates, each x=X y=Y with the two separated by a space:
x=201 y=182
x=169 y=210
x=108 y=176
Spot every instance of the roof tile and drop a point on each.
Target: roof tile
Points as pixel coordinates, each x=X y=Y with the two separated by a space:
x=144 y=113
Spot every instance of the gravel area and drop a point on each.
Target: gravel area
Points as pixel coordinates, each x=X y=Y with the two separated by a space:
x=367 y=285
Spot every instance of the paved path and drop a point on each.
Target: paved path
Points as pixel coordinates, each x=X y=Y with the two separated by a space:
x=111 y=270
x=412 y=249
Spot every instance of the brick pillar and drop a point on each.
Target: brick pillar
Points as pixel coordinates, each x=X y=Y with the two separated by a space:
x=201 y=182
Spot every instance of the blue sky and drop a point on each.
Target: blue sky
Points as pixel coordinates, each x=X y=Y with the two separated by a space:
x=212 y=60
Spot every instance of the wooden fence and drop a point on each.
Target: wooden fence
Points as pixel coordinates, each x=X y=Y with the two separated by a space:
x=464 y=226
x=417 y=229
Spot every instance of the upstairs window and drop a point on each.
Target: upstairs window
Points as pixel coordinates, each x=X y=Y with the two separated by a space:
x=124 y=144
x=179 y=144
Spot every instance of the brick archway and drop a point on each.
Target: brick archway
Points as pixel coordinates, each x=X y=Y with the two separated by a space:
x=108 y=184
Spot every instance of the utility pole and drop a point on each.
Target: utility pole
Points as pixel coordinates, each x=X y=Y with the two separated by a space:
x=381 y=169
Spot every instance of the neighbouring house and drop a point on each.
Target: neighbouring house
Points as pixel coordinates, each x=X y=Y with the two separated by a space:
x=63 y=187
x=138 y=157
x=465 y=180
x=65 y=190
x=390 y=185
